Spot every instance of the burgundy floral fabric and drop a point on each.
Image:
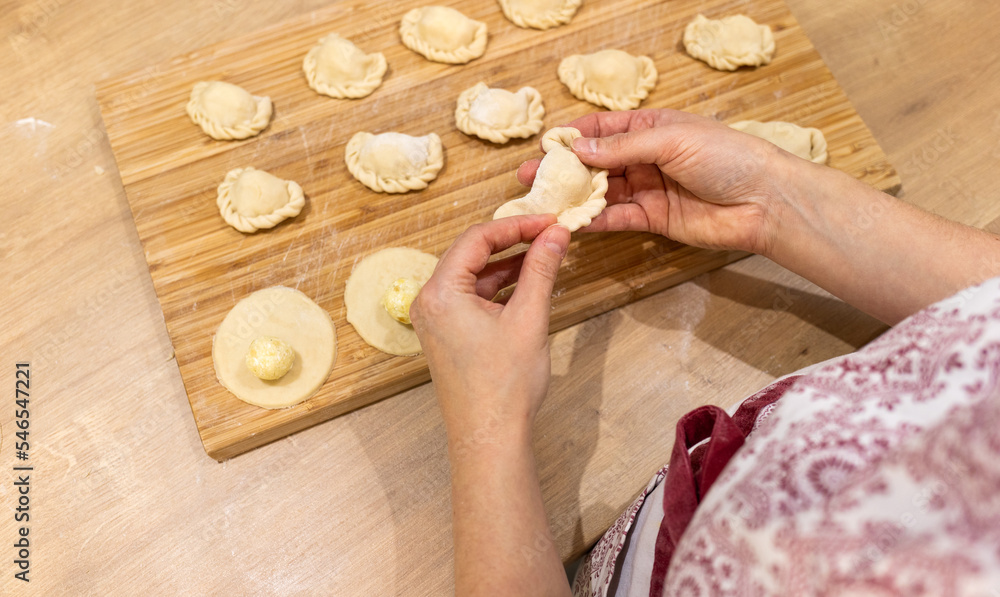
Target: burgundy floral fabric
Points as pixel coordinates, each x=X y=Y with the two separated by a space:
x=877 y=473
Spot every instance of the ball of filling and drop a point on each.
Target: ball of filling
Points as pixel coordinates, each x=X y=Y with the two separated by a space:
x=269 y=358
x=398 y=298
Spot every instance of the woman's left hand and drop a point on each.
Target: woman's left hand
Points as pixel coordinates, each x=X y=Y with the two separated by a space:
x=490 y=366
x=490 y=361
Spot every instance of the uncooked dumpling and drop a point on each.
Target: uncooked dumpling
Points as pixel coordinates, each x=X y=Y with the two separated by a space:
x=370 y=279
x=443 y=34
x=563 y=185
x=614 y=79
x=336 y=67
x=251 y=200
x=729 y=43
x=807 y=143
x=497 y=114
x=283 y=314
x=226 y=111
x=394 y=162
x=539 y=14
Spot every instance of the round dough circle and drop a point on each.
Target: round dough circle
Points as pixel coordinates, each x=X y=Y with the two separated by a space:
x=366 y=287
x=283 y=313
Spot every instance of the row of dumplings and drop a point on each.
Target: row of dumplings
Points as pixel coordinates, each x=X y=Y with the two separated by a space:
x=381 y=288
x=337 y=68
x=397 y=163
x=610 y=78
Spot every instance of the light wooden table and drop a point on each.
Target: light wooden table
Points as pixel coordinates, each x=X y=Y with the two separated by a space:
x=125 y=501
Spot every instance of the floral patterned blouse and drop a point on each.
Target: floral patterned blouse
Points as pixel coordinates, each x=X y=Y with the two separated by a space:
x=875 y=473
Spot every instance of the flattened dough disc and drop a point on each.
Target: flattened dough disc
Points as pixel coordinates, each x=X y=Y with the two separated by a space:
x=291 y=316
x=369 y=280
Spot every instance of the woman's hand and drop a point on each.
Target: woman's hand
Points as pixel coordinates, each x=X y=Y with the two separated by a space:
x=489 y=361
x=684 y=176
x=490 y=366
x=702 y=183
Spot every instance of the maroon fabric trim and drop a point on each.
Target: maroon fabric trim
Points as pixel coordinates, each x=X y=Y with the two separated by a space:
x=692 y=472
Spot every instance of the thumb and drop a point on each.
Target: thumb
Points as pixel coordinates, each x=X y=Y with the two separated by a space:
x=646 y=146
x=532 y=297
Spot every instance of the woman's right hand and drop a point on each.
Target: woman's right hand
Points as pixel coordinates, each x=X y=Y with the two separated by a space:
x=684 y=176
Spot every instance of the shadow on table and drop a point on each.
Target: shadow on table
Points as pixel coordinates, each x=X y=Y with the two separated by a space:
x=767 y=336
x=568 y=429
x=412 y=466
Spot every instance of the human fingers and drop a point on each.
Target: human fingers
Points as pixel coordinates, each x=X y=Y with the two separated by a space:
x=605 y=124
x=498 y=274
x=647 y=146
x=619 y=218
x=471 y=251
x=619 y=190
x=526 y=172
x=533 y=295
x=634 y=180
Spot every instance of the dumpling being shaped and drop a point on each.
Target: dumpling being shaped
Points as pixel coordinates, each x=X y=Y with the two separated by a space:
x=394 y=162
x=730 y=42
x=563 y=185
x=539 y=14
x=807 y=143
x=336 y=67
x=443 y=34
x=614 y=79
x=499 y=115
x=251 y=200
x=226 y=111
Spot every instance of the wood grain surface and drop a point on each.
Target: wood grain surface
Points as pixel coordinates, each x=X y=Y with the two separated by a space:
x=125 y=500
x=201 y=267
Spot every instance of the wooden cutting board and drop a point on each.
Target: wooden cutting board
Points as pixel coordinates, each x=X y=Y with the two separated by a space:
x=201 y=267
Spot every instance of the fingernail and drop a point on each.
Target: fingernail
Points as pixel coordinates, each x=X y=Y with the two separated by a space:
x=585 y=145
x=556 y=247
